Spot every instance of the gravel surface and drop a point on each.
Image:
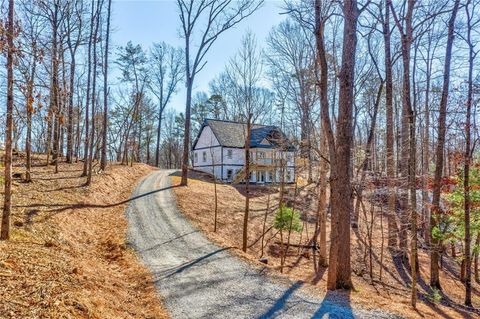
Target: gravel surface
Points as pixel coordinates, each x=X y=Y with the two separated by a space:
x=198 y=279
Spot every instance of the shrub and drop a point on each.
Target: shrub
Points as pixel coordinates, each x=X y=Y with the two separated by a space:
x=286 y=216
x=435 y=295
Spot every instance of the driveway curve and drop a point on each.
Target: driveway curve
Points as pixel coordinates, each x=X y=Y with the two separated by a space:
x=198 y=279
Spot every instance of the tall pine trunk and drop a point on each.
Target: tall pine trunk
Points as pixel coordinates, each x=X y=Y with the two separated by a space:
x=439 y=153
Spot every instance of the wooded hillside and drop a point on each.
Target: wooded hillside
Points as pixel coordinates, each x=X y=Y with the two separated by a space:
x=379 y=97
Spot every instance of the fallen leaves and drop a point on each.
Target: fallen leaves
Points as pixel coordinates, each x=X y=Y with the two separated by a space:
x=67 y=256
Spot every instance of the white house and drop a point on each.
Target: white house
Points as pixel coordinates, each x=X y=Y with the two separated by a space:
x=219 y=149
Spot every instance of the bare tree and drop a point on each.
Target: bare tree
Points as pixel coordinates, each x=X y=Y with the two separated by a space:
x=167 y=72
x=339 y=272
x=7 y=204
x=218 y=16
x=96 y=22
x=471 y=23
x=439 y=153
x=103 y=162
x=74 y=22
x=392 y=224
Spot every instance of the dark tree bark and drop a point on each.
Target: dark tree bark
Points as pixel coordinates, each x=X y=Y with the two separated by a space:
x=86 y=144
x=439 y=153
x=103 y=162
x=391 y=221
x=406 y=35
x=73 y=47
x=468 y=157
x=7 y=203
x=30 y=110
x=339 y=272
x=247 y=184
x=94 y=93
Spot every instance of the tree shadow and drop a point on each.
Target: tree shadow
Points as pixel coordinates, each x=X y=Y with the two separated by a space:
x=64 y=207
x=425 y=292
x=59 y=189
x=318 y=275
x=167 y=241
x=185 y=266
x=335 y=304
x=280 y=304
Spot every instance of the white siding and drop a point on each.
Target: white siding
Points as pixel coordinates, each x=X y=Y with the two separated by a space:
x=207 y=138
x=207 y=156
x=208 y=170
x=208 y=151
x=238 y=156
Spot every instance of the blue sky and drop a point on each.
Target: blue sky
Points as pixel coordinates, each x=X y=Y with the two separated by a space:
x=147 y=21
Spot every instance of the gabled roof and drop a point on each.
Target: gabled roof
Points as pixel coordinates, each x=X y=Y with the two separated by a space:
x=233 y=134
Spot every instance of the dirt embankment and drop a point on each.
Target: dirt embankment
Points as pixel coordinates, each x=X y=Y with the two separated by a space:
x=391 y=293
x=67 y=257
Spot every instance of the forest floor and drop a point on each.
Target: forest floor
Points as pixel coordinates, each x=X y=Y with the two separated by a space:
x=67 y=257
x=391 y=293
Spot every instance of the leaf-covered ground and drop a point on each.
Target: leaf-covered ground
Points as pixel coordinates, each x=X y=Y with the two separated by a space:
x=392 y=293
x=68 y=257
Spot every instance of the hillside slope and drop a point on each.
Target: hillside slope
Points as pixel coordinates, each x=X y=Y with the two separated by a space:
x=68 y=255
x=391 y=292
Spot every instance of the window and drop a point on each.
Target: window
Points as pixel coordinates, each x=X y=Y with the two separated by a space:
x=260 y=155
x=204 y=156
x=196 y=157
x=229 y=154
x=270 y=176
x=229 y=174
x=289 y=175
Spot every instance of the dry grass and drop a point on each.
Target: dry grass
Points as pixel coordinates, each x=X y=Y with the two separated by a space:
x=67 y=257
x=393 y=293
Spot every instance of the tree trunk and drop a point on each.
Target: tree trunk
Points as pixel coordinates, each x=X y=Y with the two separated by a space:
x=70 y=110
x=103 y=161
x=159 y=132
x=7 y=203
x=466 y=167
x=87 y=102
x=28 y=139
x=322 y=204
x=391 y=213
x=186 y=137
x=436 y=210
x=54 y=96
x=247 y=184
x=94 y=96
x=339 y=273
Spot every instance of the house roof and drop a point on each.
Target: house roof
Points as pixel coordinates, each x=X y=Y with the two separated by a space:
x=233 y=134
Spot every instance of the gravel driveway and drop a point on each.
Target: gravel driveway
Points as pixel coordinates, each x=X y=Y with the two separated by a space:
x=198 y=279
